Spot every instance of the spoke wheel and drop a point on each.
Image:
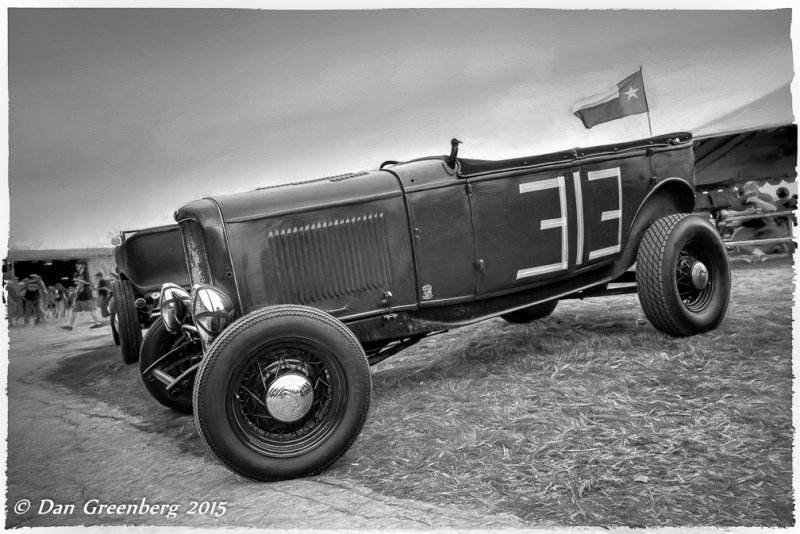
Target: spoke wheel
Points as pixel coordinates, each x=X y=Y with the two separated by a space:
x=683 y=275
x=283 y=392
x=695 y=282
x=288 y=397
x=185 y=352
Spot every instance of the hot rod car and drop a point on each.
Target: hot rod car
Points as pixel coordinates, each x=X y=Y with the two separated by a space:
x=298 y=288
x=144 y=259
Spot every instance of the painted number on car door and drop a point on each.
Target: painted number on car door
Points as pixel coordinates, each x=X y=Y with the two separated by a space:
x=558 y=224
x=598 y=221
x=603 y=215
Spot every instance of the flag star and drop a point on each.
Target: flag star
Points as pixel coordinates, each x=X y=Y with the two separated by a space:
x=631 y=92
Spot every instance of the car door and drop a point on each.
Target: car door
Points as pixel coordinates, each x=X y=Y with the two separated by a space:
x=610 y=190
x=441 y=229
x=524 y=227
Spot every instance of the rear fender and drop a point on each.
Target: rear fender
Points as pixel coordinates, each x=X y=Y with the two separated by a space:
x=671 y=195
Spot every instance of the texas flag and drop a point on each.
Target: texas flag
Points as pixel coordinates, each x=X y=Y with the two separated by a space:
x=626 y=98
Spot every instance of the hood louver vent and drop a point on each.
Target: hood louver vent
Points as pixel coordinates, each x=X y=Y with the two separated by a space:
x=329 y=260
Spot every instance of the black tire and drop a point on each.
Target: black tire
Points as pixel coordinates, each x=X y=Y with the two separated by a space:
x=683 y=275
x=533 y=313
x=157 y=342
x=328 y=372
x=112 y=310
x=129 y=330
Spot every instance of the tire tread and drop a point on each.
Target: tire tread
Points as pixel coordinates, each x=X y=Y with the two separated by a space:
x=650 y=264
x=130 y=331
x=239 y=326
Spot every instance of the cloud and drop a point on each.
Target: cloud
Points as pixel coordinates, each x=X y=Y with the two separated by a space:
x=133 y=112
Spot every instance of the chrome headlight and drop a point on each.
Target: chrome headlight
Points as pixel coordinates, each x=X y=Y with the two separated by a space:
x=174 y=306
x=212 y=312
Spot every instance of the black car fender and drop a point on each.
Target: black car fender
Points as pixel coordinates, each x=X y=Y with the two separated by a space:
x=668 y=196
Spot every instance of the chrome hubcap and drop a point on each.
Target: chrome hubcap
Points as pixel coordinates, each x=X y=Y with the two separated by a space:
x=699 y=275
x=289 y=397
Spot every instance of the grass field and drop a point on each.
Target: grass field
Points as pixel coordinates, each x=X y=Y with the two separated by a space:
x=588 y=417
x=592 y=417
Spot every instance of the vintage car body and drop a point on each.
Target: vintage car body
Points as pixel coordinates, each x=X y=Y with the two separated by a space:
x=148 y=257
x=302 y=284
x=434 y=237
x=145 y=259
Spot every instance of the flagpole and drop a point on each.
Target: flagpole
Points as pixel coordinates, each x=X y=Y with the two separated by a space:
x=649 y=125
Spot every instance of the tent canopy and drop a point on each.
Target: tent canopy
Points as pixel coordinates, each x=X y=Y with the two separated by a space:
x=765 y=155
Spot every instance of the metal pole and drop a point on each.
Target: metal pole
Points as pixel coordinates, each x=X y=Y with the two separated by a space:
x=647 y=105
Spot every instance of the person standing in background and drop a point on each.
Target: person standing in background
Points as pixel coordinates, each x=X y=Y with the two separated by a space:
x=60 y=297
x=104 y=293
x=14 y=298
x=33 y=293
x=84 y=298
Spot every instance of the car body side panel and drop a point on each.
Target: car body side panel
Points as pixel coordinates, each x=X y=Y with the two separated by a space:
x=280 y=244
x=346 y=260
x=613 y=189
x=674 y=162
x=544 y=222
x=437 y=245
x=441 y=226
x=521 y=228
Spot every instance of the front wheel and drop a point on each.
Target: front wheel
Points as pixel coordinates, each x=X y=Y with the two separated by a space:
x=184 y=353
x=282 y=393
x=683 y=275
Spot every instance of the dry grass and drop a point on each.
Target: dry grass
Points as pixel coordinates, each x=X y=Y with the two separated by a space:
x=589 y=417
x=592 y=417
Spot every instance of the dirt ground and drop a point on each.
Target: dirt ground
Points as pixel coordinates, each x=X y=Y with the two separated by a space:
x=88 y=446
x=77 y=452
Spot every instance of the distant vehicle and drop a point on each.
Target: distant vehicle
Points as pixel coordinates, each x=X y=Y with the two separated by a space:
x=145 y=260
x=298 y=288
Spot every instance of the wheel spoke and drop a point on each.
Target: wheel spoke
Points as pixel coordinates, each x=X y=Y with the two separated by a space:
x=263 y=378
x=297 y=365
x=255 y=397
x=259 y=416
x=259 y=426
x=694 y=298
x=321 y=381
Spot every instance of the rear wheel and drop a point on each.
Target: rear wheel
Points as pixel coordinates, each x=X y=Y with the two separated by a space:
x=157 y=342
x=282 y=393
x=127 y=325
x=683 y=275
x=533 y=313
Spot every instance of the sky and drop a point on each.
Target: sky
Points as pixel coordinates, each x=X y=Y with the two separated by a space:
x=119 y=116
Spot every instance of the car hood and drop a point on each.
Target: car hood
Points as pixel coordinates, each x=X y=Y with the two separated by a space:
x=298 y=197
